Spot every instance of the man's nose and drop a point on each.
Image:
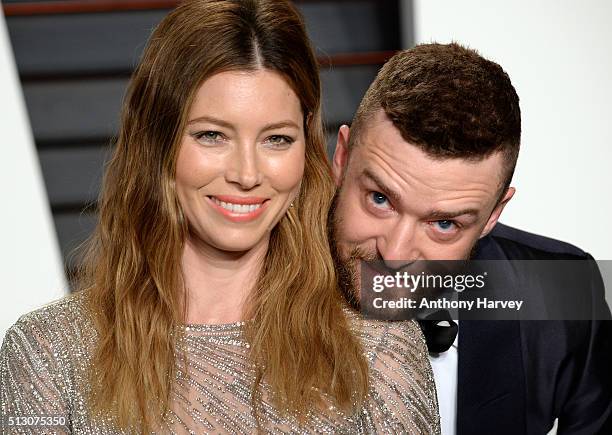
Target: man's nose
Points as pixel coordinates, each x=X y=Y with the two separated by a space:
x=244 y=168
x=397 y=246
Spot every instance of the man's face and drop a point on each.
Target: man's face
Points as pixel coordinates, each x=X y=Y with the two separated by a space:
x=397 y=203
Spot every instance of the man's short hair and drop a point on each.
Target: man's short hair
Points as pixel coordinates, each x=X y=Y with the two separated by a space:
x=449 y=101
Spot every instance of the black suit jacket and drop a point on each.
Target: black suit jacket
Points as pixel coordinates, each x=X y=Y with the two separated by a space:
x=516 y=377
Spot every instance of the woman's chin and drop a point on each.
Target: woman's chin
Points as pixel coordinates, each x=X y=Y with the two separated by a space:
x=240 y=242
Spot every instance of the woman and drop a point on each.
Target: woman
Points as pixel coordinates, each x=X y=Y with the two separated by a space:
x=209 y=300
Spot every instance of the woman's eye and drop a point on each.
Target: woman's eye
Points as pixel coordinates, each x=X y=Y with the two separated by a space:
x=379 y=200
x=208 y=136
x=279 y=140
x=445 y=226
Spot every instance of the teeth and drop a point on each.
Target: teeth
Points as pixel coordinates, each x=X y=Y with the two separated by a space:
x=236 y=208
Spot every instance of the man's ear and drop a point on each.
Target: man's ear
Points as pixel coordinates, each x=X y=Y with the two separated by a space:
x=341 y=154
x=497 y=211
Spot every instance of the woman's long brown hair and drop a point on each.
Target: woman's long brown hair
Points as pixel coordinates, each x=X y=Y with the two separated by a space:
x=300 y=339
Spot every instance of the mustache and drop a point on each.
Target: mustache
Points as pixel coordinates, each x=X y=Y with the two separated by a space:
x=360 y=254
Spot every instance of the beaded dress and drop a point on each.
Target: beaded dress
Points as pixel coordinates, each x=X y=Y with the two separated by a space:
x=45 y=357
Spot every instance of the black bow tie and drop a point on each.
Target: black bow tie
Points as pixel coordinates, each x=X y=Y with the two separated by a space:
x=440 y=331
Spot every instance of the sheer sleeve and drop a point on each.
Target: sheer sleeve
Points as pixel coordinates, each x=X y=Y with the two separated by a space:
x=403 y=386
x=33 y=388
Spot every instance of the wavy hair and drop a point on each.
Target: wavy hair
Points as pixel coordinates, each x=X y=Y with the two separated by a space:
x=301 y=342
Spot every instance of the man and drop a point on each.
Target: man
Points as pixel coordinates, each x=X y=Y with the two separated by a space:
x=424 y=173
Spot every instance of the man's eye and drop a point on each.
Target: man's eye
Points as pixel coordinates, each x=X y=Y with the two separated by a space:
x=445 y=226
x=379 y=200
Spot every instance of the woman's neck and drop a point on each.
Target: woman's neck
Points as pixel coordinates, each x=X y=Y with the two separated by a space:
x=218 y=283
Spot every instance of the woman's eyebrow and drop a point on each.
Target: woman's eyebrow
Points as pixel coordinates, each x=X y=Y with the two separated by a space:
x=212 y=120
x=229 y=125
x=280 y=124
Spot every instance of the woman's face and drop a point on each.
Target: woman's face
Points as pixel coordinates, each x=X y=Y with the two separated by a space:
x=241 y=158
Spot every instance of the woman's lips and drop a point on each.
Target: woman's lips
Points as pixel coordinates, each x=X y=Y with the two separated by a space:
x=238 y=208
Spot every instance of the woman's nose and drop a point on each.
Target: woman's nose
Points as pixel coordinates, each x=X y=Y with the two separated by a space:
x=244 y=168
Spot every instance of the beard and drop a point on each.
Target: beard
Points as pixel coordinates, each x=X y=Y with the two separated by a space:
x=347 y=270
